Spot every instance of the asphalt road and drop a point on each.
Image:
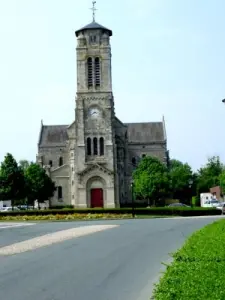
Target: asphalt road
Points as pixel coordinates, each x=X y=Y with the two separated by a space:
x=116 y=264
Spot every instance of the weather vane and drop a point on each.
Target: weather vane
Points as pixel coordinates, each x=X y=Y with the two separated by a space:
x=93 y=10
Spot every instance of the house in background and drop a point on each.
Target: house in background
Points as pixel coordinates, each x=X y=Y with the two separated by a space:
x=216 y=191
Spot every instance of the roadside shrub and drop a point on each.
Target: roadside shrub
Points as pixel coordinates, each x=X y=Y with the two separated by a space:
x=62 y=207
x=157 y=211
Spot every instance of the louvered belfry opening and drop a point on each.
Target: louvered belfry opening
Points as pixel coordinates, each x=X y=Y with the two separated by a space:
x=90 y=72
x=95 y=144
x=88 y=146
x=101 y=142
x=97 y=72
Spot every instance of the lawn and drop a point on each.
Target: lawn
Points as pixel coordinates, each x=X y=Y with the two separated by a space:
x=198 y=269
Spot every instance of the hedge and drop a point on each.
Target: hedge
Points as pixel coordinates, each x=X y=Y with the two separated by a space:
x=164 y=211
x=197 y=271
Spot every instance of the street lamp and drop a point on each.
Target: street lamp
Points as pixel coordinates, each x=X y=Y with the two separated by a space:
x=190 y=185
x=132 y=196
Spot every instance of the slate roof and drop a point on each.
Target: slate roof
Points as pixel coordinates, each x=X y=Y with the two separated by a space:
x=53 y=135
x=146 y=132
x=93 y=25
x=56 y=135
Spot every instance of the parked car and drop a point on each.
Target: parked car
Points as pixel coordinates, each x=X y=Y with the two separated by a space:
x=221 y=206
x=9 y=208
x=211 y=203
x=178 y=205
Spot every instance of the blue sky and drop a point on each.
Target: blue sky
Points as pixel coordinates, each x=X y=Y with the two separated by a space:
x=168 y=59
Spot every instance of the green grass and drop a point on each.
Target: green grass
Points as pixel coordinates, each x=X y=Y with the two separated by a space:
x=198 y=269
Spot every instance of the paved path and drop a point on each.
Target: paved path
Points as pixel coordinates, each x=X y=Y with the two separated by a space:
x=120 y=263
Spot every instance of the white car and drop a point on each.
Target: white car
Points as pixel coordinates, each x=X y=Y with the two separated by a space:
x=9 y=208
x=211 y=203
x=221 y=205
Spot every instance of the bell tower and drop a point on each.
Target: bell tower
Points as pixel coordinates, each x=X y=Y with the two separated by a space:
x=95 y=146
x=94 y=59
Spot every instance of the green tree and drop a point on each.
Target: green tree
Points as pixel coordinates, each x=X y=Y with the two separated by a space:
x=151 y=180
x=209 y=175
x=39 y=185
x=222 y=182
x=182 y=180
x=12 y=184
x=24 y=164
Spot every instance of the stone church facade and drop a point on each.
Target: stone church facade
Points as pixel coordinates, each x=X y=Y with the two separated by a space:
x=92 y=159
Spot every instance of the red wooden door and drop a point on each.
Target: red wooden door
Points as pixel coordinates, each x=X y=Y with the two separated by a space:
x=96 y=198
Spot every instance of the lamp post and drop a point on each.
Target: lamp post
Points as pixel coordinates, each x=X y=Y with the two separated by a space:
x=132 y=196
x=190 y=182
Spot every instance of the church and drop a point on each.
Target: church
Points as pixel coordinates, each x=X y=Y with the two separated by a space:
x=91 y=160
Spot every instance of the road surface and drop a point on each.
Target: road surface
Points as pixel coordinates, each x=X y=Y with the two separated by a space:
x=119 y=263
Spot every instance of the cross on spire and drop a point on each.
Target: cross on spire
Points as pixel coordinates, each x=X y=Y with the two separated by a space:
x=93 y=10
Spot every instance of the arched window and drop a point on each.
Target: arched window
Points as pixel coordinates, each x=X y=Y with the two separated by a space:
x=88 y=146
x=97 y=72
x=50 y=163
x=60 y=192
x=101 y=142
x=60 y=161
x=133 y=161
x=95 y=146
x=90 y=72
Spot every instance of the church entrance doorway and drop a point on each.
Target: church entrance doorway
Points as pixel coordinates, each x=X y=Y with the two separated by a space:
x=96 y=198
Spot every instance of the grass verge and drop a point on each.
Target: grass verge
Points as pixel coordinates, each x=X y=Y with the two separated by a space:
x=197 y=271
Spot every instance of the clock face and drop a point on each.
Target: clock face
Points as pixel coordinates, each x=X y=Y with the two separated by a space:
x=94 y=112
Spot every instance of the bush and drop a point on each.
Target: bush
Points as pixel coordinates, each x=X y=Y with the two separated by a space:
x=157 y=211
x=198 y=268
x=62 y=207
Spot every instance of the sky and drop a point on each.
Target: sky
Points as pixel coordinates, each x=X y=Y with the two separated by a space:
x=168 y=58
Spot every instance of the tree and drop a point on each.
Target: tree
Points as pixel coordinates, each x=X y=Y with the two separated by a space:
x=222 y=182
x=39 y=185
x=181 y=177
x=151 y=179
x=12 y=184
x=24 y=164
x=143 y=187
x=209 y=175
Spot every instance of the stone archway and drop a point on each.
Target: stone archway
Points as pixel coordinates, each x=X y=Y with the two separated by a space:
x=95 y=190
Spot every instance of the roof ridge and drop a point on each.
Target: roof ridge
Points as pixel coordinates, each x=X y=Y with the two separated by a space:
x=152 y=122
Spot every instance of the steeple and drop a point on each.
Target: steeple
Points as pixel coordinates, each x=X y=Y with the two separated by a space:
x=94 y=58
x=93 y=25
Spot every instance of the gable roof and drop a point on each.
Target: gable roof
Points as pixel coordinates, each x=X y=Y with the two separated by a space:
x=53 y=135
x=93 y=25
x=145 y=132
x=95 y=166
